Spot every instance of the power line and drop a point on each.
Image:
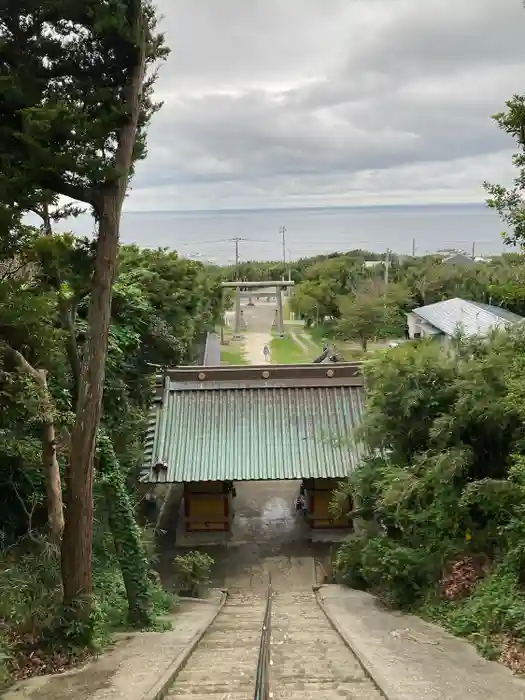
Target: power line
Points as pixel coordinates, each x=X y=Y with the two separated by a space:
x=199 y=242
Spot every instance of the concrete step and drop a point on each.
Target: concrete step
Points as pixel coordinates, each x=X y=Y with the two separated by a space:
x=224 y=694
x=309 y=659
x=224 y=664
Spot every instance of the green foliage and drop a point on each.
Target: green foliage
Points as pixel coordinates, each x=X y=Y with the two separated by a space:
x=321 y=282
x=347 y=564
x=126 y=534
x=29 y=586
x=407 y=389
x=66 y=98
x=30 y=602
x=373 y=311
x=361 y=317
x=398 y=573
x=192 y=572
x=447 y=481
x=508 y=202
x=325 y=281
x=162 y=307
x=496 y=606
x=76 y=103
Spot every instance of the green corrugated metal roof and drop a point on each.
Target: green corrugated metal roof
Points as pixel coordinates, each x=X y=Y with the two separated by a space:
x=256 y=434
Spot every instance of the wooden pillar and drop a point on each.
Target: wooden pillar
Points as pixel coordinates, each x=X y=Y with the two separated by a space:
x=237 y=324
x=280 y=320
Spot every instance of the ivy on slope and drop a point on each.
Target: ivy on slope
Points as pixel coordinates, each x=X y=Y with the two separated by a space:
x=126 y=534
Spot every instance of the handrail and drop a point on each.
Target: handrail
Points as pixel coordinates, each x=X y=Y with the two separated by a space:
x=262 y=678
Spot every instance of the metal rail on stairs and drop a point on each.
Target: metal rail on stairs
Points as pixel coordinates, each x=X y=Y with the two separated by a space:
x=262 y=678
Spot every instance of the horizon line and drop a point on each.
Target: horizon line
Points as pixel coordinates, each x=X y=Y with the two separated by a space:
x=307 y=208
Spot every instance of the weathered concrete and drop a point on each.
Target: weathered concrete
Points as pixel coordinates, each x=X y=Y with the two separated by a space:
x=264 y=510
x=414 y=660
x=135 y=669
x=309 y=659
x=266 y=532
x=212 y=350
x=259 y=318
x=225 y=662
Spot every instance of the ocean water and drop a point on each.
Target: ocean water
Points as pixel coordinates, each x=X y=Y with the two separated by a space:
x=208 y=235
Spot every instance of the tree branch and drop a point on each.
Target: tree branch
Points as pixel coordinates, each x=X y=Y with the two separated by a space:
x=10 y=272
x=42 y=211
x=39 y=375
x=55 y=183
x=29 y=513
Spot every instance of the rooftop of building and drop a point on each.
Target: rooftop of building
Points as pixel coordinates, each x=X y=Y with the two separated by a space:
x=255 y=423
x=469 y=317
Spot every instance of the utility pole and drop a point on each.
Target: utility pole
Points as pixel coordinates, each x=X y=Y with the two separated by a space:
x=282 y=231
x=387 y=265
x=413 y=247
x=236 y=241
x=473 y=250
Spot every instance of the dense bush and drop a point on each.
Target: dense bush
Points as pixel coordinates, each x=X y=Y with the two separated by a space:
x=162 y=306
x=192 y=572
x=446 y=489
x=30 y=603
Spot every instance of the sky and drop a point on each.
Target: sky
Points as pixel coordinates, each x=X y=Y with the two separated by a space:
x=293 y=103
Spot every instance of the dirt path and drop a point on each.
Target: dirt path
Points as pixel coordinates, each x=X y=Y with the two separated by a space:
x=253 y=347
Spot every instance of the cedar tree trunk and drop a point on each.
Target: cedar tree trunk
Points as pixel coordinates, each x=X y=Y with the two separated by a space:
x=78 y=530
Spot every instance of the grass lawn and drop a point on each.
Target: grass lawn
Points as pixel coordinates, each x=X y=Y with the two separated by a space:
x=350 y=352
x=316 y=345
x=285 y=351
x=233 y=355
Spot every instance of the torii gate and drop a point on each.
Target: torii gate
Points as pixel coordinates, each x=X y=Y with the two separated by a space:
x=279 y=286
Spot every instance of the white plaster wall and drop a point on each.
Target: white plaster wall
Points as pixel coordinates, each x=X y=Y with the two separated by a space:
x=413 y=325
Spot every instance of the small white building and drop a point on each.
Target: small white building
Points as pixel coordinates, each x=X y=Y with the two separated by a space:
x=445 y=319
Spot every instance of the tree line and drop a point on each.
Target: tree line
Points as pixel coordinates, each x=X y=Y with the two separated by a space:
x=354 y=302
x=338 y=296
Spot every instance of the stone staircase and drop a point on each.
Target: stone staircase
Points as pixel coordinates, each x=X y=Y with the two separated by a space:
x=224 y=664
x=309 y=659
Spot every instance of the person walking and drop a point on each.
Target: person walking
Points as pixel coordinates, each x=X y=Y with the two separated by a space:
x=266 y=353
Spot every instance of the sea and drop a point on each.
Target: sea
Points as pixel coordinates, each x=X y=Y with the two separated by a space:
x=260 y=233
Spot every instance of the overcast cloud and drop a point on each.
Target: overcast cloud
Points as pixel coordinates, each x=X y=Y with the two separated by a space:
x=319 y=102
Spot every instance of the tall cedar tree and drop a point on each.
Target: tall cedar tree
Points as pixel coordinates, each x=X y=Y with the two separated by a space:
x=76 y=81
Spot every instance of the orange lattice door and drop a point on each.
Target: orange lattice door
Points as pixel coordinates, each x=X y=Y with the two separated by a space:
x=209 y=512
x=320 y=513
